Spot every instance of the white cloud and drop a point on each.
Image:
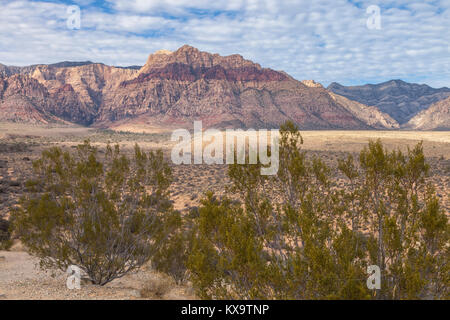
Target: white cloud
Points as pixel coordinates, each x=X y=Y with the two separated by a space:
x=322 y=40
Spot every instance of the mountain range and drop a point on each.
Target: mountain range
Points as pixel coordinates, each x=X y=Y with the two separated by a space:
x=401 y=100
x=175 y=88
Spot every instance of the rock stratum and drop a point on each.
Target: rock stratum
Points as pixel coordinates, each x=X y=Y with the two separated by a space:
x=176 y=88
x=436 y=117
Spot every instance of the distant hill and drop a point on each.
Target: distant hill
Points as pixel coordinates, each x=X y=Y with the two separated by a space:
x=65 y=64
x=399 y=99
x=436 y=117
x=368 y=114
x=130 y=67
x=10 y=70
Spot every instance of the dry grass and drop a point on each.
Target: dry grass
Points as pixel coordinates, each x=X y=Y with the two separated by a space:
x=157 y=287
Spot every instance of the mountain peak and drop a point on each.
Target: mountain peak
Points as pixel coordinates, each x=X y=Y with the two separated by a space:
x=65 y=64
x=333 y=85
x=163 y=51
x=396 y=81
x=188 y=55
x=312 y=84
x=187 y=48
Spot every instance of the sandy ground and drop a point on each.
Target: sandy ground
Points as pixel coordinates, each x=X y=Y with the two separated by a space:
x=21 y=278
x=436 y=143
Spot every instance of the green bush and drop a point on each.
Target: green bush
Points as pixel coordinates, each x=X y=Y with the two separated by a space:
x=298 y=235
x=172 y=255
x=108 y=216
x=5 y=234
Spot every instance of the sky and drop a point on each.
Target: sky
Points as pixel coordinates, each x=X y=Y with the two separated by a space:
x=347 y=41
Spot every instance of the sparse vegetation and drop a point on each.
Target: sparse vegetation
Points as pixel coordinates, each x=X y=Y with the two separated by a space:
x=298 y=236
x=307 y=233
x=10 y=147
x=157 y=288
x=5 y=234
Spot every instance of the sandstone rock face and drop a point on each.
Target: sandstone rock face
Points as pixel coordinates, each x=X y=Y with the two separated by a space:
x=24 y=99
x=312 y=84
x=369 y=115
x=436 y=117
x=179 y=87
x=196 y=59
x=78 y=91
x=174 y=89
x=399 y=99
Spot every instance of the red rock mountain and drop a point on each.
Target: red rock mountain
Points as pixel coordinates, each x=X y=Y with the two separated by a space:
x=174 y=89
x=24 y=99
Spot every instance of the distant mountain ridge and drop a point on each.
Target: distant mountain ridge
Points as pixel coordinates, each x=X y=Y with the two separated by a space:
x=401 y=100
x=436 y=117
x=370 y=115
x=176 y=88
x=11 y=70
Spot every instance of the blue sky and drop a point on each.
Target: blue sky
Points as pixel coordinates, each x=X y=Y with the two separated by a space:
x=321 y=40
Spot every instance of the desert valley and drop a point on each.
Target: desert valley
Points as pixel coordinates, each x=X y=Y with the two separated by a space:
x=64 y=104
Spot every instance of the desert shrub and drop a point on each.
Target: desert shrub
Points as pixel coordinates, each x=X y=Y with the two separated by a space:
x=5 y=234
x=284 y=241
x=171 y=257
x=108 y=216
x=298 y=235
x=404 y=215
x=12 y=147
x=157 y=288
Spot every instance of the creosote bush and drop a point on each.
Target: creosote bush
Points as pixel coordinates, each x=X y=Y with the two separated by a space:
x=299 y=235
x=106 y=214
x=5 y=234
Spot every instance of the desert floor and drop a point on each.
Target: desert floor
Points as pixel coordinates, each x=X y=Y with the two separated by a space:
x=21 y=278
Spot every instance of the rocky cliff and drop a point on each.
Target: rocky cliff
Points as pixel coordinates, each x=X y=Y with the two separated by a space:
x=436 y=117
